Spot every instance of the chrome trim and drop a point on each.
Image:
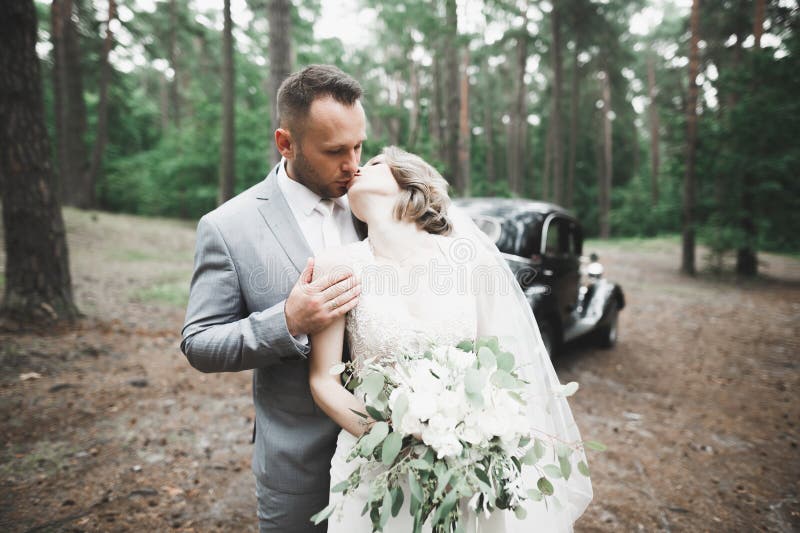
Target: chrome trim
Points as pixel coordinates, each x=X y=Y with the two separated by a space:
x=545 y=227
x=518 y=259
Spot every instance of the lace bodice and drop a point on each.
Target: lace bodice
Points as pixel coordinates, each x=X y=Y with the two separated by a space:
x=407 y=309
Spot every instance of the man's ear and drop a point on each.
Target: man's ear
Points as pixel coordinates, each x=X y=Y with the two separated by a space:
x=285 y=143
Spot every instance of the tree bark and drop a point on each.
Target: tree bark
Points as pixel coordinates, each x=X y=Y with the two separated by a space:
x=102 y=106
x=548 y=162
x=174 y=89
x=573 y=129
x=38 y=286
x=227 y=176
x=519 y=114
x=70 y=108
x=746 y=255
x=655 y=155
x=280 y=60
x=605 y=186
x=413 y=119
x=453 y=106
x=555 y=118
x=437 y=111
x=464 y=129
x=688 y=237
x=488 y=122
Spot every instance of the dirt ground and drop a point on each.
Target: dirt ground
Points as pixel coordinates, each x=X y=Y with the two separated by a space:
x=107 y=428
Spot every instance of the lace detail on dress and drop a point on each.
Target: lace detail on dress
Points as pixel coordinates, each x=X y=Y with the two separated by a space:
x=394 y=317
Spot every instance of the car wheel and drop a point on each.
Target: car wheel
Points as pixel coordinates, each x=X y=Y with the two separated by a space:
x=548 y=337
x=607 y=335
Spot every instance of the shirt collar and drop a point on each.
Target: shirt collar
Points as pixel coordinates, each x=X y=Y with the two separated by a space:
x=300 y=195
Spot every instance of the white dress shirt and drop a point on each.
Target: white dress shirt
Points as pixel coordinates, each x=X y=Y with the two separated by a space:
x=303 y=202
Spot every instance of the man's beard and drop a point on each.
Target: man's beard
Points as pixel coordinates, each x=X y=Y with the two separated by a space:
x=308 y=176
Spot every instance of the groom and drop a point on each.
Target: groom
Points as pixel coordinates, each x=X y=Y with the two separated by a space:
x=252 y=303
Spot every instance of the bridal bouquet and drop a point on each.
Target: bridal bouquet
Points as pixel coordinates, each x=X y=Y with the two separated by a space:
x=447 y=425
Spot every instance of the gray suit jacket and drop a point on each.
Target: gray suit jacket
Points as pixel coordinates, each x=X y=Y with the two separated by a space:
x=250 y=252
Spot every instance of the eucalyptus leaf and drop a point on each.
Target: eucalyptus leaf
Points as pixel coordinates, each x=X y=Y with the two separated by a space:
x=566 y=467
x=416 y=489
x=545 y=486
x=539 y=448
x=594 y=445
x=552 y=471
x=362 y=415
x=583 y=468
x=339 y=487
x=400 y=408
x=505 y=361
x=473 y=381
x=419 y=464
x=323 y=514
x=465 y=346
x=486 y=358
x=372 y=384
x=386 y=508
x=535 y=495
x=374 y=413
x=397 y=500
x=562 y=450
x=391 y=447
x=336 y=369
x=520 y=512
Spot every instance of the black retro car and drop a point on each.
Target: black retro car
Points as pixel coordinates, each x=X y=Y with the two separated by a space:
x=543 y=245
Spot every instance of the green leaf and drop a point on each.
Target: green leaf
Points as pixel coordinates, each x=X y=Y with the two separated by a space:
x=524 y=441
x=397 y=500
x=362 y=415
x=419 y=464
x=583 y=468
x=465 y=345
x=416 y=489
x=486 y=358
x=473 y=382
x=504 y=380
x=374 y=413
x=372 y=439
x=505 y=361
x=372 y=384
x=552 y=471
x=391 y=447
x=443 y=481
x=520 y=512
x=530 y=457
x=562 y=450
x=545 y=486
x=475 y=399
x=386 y=508
x=594 y=445
x=445 y=507
x=323 y=514
x=535 y=495
x=539 y=448
x=400 y=409
x=339 y=487
x=566 y=466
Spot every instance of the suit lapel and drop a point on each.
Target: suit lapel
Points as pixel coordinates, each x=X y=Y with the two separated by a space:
x=279 y=218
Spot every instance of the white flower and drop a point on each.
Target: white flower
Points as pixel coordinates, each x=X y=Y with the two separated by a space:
x=422 y=404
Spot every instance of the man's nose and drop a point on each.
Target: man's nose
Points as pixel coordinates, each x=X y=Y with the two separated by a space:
x=350 y=166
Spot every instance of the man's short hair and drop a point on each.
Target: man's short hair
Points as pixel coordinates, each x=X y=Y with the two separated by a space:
x=300 y=89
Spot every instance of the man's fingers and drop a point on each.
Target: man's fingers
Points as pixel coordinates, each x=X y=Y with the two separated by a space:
x=339 y=288
x=332 y=278
x=308 y=272
x=347 y=306
x=344 y=298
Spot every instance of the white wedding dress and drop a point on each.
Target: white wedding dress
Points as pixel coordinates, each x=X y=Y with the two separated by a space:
x=394 y=315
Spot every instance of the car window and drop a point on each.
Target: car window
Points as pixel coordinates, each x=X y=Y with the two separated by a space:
x=553 y=246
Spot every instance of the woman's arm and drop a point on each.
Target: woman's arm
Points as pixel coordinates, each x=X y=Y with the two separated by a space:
x=326 y=351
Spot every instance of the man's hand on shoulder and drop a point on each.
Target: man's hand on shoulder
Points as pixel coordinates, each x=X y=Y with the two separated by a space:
x=326 y=290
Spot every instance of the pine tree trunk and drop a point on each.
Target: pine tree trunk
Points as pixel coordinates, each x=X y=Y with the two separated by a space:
x=38 y=286
x=227 y=175
x=687 y=257
x=174 y=89
x=655 y=156
x=488 y=123
x=555 y=118
x=280 y=60
x=548 y=162
x=605 y=208
x=413 y=119
x=70 y=108
x=101 y=138
x=453 y=107
x=573 y=129
x=464 y=129
x=746 y=255
x=519 y=114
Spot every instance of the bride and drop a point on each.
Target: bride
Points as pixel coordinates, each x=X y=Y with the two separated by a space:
x=419 y=271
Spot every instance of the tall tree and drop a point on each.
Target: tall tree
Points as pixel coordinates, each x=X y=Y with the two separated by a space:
x=688 y=233
x=574 y=98
x=227 y=173
x=279 y=13
x=174 y=85
x=517 y=131
x=488 y=120
x=101 y=137
x=453 y=105
x=70 y=108
x=606 y=172
x=464 y=128
x=746 y=256
x=655 y=156
x=555 y=115
x=38 y=285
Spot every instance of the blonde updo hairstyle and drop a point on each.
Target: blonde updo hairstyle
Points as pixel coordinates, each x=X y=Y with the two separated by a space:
x=423 y=195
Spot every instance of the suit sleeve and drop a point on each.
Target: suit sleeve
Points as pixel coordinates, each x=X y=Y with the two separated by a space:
x=218 y=336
